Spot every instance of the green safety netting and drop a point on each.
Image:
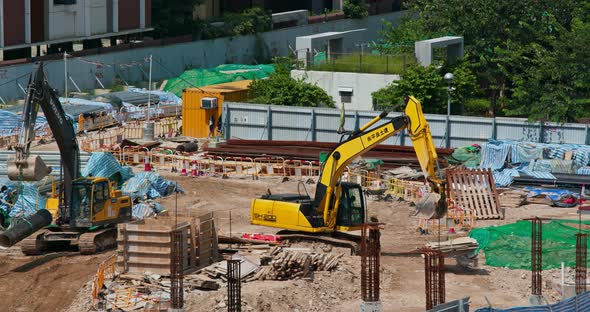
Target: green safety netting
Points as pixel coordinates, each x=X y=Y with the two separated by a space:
x=510 y=245
x=220 y=74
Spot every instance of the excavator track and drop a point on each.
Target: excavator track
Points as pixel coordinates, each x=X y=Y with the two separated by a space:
x=339 y=239
x=93 y=242
x=34 y=244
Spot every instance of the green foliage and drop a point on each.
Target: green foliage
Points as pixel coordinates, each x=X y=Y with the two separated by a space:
x=400 y=38
x=530 y=57
x=118 y=88
x=251 y=21
x=368 y=63
x=281 y=89
x=355 y=8
x=476 y=107
x=173 y=17
x=428 y=86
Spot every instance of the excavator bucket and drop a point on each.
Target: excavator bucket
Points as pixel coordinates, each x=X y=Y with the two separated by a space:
x=431 y=206
x=31 y=169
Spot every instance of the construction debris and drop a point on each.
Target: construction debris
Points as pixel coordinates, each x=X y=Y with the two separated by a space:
x=455 y=247
x=512 y=199
x=293 y=263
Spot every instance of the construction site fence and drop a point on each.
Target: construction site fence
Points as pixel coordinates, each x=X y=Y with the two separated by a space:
x=204 y=165
x=106 y=270
x=107 y=139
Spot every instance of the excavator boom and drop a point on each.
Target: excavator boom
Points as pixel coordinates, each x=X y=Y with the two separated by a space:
x=340 y=206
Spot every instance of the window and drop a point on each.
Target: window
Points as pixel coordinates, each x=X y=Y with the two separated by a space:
x=64 y=2
x=345 y=95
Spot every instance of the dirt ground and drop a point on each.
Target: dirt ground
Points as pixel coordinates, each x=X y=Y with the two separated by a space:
x=62 y=283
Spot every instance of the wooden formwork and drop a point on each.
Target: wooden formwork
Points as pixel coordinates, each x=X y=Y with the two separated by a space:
x=145 y=246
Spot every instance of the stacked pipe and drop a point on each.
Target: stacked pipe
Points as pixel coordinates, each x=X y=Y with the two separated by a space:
x=392 y=155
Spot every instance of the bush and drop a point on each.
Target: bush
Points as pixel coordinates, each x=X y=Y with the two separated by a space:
x=355 y=8
x=281 y=89
x=476 y=107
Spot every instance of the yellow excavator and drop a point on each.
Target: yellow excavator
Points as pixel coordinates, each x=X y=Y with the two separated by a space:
x=83 y=211
x=340 y=206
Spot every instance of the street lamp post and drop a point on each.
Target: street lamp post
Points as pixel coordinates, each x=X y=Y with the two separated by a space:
x=449 y=77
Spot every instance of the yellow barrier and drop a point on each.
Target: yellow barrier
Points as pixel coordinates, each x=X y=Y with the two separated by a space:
x=107 y=269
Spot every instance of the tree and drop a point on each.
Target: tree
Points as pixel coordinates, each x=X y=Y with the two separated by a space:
x=517 y=50
x=355 y=8
x=428 y=86
x=280 y=89
x=251 y=21
x=173 y=17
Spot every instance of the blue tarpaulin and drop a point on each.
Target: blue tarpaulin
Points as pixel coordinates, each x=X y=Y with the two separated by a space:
x=105 y=165
x=28 y=200
x=148 y=185
x=144 y=210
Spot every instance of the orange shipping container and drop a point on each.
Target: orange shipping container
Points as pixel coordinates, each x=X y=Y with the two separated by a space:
x=199 y=105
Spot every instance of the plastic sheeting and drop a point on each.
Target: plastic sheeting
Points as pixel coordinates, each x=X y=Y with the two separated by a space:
x=10 y=122
x=584 y=171
x=220 y=74
x=579 y=303
x=28 y=201
x=104 y=164
x=144 y=210
x=494 y=155
x=148 y=185
x=166 y=98
x=553 y=194
x=539 y=160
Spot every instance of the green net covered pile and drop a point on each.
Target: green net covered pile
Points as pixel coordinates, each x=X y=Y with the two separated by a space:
x=510 y=245
x=220 y=74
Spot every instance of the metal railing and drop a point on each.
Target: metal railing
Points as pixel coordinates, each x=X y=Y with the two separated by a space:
x=359 y=62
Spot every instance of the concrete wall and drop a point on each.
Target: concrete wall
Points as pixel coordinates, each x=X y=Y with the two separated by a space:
x=176 y=58
x=362 y=85
x=85 y=18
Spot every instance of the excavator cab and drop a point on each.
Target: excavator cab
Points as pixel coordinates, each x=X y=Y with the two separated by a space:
x=93 y=203
x=351 y=206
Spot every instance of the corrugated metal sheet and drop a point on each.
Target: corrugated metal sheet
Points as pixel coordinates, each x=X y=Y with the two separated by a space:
x=248 y=121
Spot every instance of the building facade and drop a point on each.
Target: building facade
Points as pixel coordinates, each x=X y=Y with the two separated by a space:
x=29 y=23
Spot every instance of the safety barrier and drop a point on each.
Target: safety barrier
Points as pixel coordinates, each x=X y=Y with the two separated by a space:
x=107 y=269
x=408 y=190
x=108 y=139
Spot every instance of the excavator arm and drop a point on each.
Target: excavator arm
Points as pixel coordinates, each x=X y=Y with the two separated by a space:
x=366 y=138
x=25 y=168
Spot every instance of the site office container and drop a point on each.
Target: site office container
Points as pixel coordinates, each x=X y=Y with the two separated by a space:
x=195 y=115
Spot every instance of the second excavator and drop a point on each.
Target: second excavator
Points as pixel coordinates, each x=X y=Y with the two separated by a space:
x=82 y=211
x=340 y=206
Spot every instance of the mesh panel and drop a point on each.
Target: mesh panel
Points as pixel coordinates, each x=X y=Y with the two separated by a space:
x=510 y=245
x=220 y=74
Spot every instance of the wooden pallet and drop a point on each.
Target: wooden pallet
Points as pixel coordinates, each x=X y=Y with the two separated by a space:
x=474 y=190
